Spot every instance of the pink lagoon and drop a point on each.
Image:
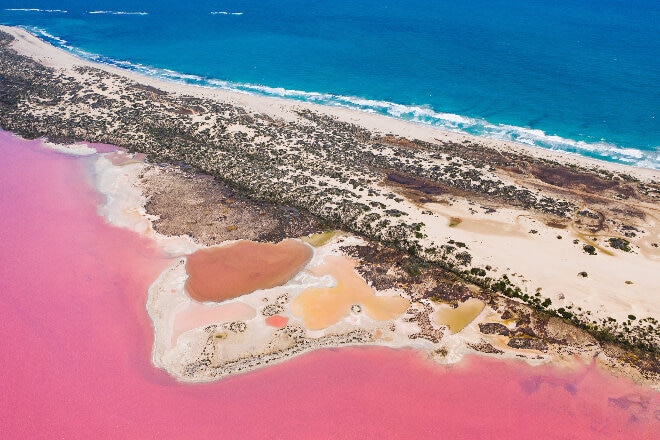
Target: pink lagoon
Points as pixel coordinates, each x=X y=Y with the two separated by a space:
x=76 y=342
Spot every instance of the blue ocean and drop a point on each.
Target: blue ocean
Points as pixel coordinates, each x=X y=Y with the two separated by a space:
x=581 y=76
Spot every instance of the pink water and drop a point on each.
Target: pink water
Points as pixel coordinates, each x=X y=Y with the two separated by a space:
x=226 y=272
x=196 y=315
x=75 y=352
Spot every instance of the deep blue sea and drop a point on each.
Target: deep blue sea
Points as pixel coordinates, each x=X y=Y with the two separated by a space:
x=576 y=75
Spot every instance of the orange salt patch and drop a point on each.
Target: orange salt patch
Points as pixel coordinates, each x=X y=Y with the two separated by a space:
x=277 y=321
x=322 y=307
x=456 y=319
x=222 y=273
x=200 y=315
x=318 y=240
x=122 y=158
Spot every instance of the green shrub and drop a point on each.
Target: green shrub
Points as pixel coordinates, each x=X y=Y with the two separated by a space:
x=589 y=249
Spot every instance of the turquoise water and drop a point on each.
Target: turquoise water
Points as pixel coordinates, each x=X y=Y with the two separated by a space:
x=579 y=76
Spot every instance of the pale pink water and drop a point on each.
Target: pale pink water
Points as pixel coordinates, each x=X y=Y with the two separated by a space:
x=196 y=315
x=75 y=352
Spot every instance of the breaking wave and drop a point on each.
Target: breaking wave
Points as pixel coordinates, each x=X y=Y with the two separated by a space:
x=118 y=13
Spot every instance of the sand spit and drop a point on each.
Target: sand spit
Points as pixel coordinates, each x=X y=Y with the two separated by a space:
x=523 y=229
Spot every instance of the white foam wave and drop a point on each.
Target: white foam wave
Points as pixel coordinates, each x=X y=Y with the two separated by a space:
x=36 y=10
x=42 y=32
x=119 y=12
x=225 y=13
x=62 y=43
x=602 y=150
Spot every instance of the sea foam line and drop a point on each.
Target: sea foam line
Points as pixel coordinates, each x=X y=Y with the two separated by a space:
x=118 y=12
x=225 y=13
x=601 y=150
x=36 y=10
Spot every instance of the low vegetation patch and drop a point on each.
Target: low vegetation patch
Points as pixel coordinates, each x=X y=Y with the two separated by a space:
x=589 y=249
x=620 y=243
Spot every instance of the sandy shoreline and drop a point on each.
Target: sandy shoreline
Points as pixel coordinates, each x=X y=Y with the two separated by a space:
x=544 y=246
x=55 y=57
